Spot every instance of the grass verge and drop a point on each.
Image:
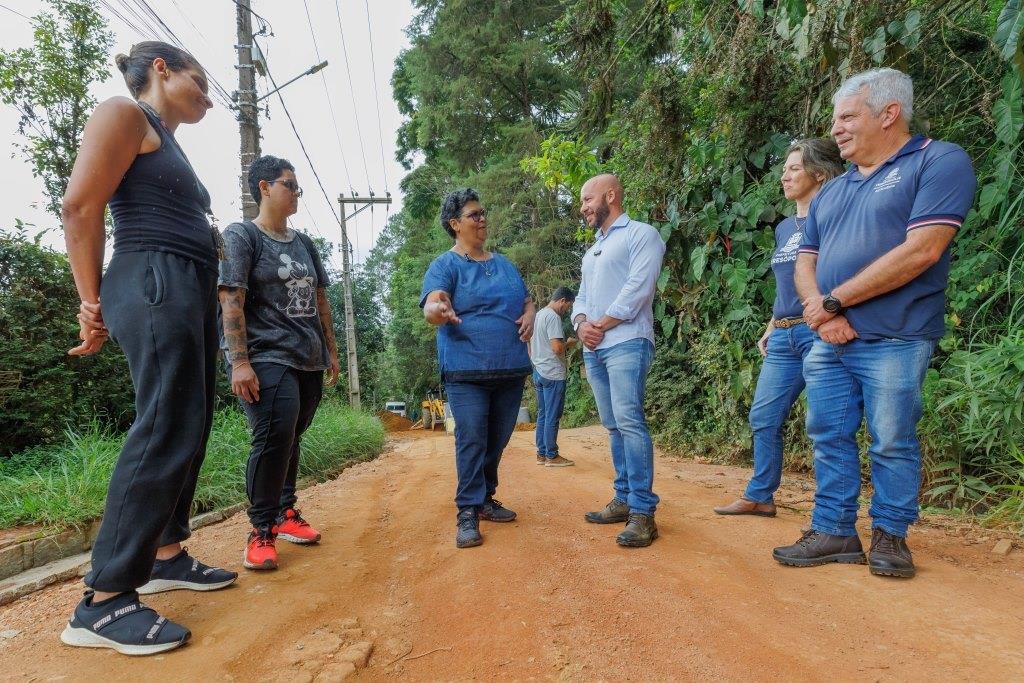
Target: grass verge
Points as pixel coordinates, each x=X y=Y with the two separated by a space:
x=65 y=485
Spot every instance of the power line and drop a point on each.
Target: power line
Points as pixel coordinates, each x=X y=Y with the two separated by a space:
x=14 y=11
x=305 y=153
x=327 y=91
x=376 y=94
x=352 y=92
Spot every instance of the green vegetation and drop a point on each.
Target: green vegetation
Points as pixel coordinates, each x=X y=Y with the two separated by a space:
x=692 y=103
x=66 y=484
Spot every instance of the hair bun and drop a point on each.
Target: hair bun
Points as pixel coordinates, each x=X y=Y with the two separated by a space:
x=121 y=60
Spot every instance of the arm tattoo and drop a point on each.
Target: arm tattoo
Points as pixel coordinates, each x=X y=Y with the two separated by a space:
x=326 y=322
x=232 y=304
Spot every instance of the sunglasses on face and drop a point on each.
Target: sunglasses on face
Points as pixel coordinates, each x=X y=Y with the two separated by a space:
x=292 y=186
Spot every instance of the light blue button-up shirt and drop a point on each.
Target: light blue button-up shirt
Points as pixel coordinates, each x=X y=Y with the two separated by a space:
x=620 y=272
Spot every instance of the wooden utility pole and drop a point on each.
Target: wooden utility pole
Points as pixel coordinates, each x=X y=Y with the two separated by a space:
x=346 y=279
x=248 y=113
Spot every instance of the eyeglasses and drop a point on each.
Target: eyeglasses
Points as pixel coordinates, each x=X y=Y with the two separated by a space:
x=292 y=186
x=476 y=216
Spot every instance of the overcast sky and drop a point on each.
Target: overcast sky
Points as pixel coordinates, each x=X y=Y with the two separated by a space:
x=207 y=28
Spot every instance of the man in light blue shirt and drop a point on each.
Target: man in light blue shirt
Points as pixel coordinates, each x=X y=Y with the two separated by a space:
x=614 y=319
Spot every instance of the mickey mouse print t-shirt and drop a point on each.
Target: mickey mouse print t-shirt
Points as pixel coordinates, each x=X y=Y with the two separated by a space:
x=282 y=323
x=787 y=244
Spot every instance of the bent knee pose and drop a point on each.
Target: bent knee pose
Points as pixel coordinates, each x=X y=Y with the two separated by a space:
x=809 y=164
x=484 y=316
x=615 y=321
x=547 y=353
x=278 y=340
x=874 y=259
x=157 y=300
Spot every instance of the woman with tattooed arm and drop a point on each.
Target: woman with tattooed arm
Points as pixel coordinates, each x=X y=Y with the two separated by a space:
x=278 y=341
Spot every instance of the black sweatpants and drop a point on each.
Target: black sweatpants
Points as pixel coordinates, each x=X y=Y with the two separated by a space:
x=288 y=402
x=161 y=309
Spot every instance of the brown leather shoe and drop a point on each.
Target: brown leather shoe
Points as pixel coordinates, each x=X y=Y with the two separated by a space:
x=742 y=506
x=640 y=531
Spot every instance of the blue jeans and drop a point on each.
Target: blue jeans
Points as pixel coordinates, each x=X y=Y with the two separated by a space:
x=550 y=403
x=618 y=377
x=778 y=386
x=881 y=381
x=485 y=413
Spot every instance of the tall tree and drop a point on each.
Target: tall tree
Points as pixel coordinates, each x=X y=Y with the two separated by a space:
x=48 y=84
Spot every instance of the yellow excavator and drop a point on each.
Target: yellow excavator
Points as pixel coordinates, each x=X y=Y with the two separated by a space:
x=433 y=411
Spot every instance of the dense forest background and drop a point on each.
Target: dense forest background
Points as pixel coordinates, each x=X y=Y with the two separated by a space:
x=691 y=103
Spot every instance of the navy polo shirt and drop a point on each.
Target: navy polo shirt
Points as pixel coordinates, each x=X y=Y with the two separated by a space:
x=489 y=296
x=854 y=220
x=787 y=241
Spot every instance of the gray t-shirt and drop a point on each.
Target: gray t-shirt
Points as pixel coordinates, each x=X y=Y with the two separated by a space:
x=547 y=326
x=282 y=324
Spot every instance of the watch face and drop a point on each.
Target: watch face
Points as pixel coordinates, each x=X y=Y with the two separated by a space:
x=831 y=304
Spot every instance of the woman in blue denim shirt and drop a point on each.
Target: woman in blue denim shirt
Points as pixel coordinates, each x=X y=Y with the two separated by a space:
x=810 y=163
x=484 y=316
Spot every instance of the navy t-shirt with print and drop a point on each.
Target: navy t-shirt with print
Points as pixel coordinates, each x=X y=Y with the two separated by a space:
x=488 y=296
x=854 y=220
x=282 y=323
x=787 y=244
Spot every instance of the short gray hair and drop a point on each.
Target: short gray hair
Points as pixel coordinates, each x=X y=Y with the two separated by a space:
x=884 y=86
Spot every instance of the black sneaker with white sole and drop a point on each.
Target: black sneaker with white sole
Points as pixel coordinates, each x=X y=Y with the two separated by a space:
x=124 y=624
x=185 y=572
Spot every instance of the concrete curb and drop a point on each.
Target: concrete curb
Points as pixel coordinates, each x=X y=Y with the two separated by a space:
x=58 y=567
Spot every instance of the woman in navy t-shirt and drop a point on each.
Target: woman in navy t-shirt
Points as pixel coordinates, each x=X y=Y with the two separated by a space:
x=484 y=316
x=809 y=165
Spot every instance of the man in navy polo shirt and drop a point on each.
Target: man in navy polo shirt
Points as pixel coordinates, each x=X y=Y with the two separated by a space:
x=872 y=274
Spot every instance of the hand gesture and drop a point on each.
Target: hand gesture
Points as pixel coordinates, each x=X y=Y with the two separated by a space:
x=333 y=372
x=591 y=334
x=837 y=331
x=525 y=323
x=92 y=331
x=442 y=311
x=814 y=313
x=762 y=343
x=244 y=382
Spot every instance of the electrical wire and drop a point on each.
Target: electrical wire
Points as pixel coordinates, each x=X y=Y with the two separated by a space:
x=327 y=92
x=14 y=11
x=352 y=92
x=265 y=25
x=305 y=153
x=376 y=94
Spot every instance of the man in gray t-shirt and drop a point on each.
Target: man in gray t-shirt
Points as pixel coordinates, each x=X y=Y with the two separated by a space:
x=547 y=351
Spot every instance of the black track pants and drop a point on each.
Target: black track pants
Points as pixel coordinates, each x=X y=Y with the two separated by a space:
x=288 y=402
x=161 y=309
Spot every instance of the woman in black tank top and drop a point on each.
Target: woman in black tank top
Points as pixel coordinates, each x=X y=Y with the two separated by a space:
x=157 y=300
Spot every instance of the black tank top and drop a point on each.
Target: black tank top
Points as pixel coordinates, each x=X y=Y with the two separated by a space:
x=161 y=205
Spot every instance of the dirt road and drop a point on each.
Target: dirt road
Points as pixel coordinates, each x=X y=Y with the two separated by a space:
x=551 y=597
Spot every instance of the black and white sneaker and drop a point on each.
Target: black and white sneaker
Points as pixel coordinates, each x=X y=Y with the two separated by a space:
x=124 y=624
x=184 y=572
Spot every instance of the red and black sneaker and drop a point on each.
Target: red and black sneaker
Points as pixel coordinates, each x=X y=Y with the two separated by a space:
x=292 y=527
x=260 y=552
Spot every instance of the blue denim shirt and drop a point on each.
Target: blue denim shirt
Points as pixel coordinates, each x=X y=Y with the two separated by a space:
x=489 y=296
x=620 y=271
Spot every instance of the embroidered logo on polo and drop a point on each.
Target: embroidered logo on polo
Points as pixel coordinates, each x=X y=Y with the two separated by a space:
x=787 y=252
x=891 y=180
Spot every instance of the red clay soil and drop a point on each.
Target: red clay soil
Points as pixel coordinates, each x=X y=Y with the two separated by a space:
x=550 y=597
x=393 y=422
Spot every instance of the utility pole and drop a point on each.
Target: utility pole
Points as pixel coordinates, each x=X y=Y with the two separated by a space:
x=346 y=279
x=248 y=113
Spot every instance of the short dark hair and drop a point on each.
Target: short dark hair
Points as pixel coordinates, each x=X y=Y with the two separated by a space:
x=452 y=205
x=563 y=293
x=820 y=157
x=135 y=66
x=267 y=168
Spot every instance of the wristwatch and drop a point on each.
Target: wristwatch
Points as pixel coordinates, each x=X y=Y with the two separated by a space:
x=576 y=325
x=831 y=304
